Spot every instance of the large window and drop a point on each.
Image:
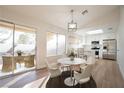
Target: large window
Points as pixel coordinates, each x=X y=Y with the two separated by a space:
x=17 y=48
x=24 y=42
x=6 y=48
x=55 y=44
x=61 y=44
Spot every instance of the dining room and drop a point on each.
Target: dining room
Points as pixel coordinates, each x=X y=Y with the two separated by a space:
x=59 y=47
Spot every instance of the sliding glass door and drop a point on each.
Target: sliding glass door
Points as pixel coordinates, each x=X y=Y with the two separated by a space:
x=17 y=48
x=6 y=48
x=24 y=48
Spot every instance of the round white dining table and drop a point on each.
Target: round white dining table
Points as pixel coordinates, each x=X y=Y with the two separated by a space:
x=66 y=61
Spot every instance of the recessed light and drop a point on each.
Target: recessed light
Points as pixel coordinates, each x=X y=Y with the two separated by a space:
x=99 y=31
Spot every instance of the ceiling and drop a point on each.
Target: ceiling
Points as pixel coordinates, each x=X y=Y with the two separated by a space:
x=60 y=15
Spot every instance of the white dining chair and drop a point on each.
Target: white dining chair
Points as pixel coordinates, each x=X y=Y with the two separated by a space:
x=91 y=58
x=84 y=76
x=53 y=68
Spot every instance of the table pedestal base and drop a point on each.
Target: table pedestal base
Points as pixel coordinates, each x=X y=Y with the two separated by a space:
x=69 y=81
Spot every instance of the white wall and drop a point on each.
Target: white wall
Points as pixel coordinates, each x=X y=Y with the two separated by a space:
x=120 y=42
x=40 y=26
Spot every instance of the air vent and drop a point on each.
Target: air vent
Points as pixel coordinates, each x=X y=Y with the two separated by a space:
x=84 y=12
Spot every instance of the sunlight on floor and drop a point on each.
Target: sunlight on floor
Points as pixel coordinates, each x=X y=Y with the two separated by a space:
x=20 y=68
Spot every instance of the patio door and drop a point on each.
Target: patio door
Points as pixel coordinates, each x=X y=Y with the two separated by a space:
x=6 y=48
x=17 y=48
x=24 y=48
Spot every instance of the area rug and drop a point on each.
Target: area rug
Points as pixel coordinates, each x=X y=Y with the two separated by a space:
x=58 y=82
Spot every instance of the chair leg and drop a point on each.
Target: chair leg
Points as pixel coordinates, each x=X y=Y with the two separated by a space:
x=68 y=68
x=73 y=82
x=63 y=68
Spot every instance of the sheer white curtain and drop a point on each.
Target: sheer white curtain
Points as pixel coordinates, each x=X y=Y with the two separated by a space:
x=55 y=44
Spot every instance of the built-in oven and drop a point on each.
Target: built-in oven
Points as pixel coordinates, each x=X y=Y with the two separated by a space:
x=95 y=46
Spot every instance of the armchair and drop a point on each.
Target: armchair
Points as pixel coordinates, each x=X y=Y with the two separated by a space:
x=53 y=68
x=84 y=76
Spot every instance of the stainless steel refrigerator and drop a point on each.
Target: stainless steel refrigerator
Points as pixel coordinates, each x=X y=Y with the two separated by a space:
x=109 y=49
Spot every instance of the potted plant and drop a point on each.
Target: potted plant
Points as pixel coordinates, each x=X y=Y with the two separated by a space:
x=72 y=55
x=19 y=52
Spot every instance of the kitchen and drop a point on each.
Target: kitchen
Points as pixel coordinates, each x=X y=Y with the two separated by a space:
x=96 y=41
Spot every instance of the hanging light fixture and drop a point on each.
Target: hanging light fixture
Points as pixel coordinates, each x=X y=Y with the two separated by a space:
x=72 y=26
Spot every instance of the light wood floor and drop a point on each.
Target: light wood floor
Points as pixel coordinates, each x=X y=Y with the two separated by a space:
x=106 y=74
